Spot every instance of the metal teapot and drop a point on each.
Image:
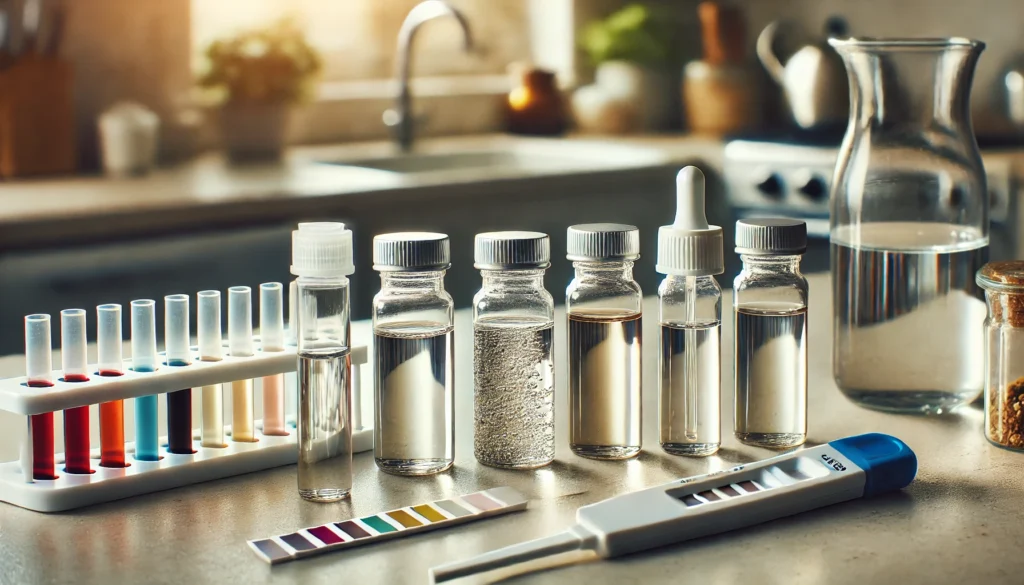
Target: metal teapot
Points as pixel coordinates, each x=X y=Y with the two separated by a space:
x=813 y=79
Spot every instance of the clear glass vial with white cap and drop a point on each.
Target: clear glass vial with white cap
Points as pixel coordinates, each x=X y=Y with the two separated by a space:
x=322 y=261
x=513 y=370
x=770 y=302
x=603 y=305
x=690 y=253
x=413 y=368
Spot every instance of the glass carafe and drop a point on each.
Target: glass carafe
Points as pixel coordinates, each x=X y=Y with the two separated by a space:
x=909 y=228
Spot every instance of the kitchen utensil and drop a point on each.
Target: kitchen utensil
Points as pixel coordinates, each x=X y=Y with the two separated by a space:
x=813 y=79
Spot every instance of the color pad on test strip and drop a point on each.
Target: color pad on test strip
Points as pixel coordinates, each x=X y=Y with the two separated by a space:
x=390 y=524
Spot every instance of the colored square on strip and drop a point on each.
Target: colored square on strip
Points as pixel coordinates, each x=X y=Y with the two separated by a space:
x=271 y=550
x=352 y=529
x=297 y=541
x=728 y=490
x=690 y=500
x=749 y=486
x=428 y=512
x=709 y=496
x=482 y=502
x=453 y=508
x=378 y=524
x=325 y=535
x=404 y=518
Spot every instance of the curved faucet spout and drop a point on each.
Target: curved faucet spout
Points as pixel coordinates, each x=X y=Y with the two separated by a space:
x=400 y=119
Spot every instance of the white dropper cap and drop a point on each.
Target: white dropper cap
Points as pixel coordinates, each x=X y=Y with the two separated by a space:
x=322 y=249
x=690 y=247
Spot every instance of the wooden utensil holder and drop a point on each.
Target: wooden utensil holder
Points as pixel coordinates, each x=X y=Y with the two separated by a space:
x=37 y=117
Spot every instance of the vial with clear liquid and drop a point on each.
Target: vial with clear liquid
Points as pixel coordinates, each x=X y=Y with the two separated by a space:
x=604 y=305
x=322 y=260
x=413 y=369
x=770 y=302
x=513 y=369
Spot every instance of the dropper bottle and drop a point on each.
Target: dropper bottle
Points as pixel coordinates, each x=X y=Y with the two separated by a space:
x=690 y=253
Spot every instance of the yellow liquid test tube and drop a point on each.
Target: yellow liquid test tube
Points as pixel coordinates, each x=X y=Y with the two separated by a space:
x=211 y=350
x=272 y=340
x=243 y=420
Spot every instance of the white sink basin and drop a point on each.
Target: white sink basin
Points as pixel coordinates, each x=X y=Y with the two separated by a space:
x=511 y=157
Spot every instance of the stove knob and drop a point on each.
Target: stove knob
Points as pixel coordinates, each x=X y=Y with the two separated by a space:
x=771 y=186
x=815 y=188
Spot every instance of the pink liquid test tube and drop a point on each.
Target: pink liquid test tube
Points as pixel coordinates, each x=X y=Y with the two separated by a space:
x=75 y=365
x=272 y=340
x=39 y=374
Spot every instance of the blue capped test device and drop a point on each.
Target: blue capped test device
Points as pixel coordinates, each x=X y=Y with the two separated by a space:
x=855 y=467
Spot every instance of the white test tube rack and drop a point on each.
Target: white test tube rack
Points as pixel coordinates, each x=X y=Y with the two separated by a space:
x=106 y=484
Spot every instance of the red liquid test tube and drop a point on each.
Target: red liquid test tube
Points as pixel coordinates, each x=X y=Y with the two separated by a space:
x=39 y=374
x=76 y=369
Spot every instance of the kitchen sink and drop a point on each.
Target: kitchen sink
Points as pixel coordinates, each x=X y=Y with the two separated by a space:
x=510 y=157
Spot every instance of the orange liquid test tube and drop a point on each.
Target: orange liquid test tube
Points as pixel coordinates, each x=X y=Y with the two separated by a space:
x=110 y=363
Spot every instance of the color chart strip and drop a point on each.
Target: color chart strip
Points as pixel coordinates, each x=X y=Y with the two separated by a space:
x=392 y=524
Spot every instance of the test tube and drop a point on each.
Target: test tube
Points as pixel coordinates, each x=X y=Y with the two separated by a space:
x=110 y=363
x=240 y=345
x=76 y=369
x=144 y=359
x=291 y=380
x=210 y=350
x=272 y=340
x=179 y=402
x=39 y=374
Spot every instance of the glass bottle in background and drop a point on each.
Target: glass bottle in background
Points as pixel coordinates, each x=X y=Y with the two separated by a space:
x=603 y=305
x=690 y=253
x=513 y=371
x=271 y=341
x=770 y=302
x=909 y=228
x=413 y=349
x=322 y=261
x=1004 y=356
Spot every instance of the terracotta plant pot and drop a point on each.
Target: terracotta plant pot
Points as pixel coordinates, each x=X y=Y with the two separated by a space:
x=254 y=131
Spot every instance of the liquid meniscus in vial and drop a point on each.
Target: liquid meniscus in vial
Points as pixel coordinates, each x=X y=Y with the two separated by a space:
x=691 y=375
x=514 y=393
x=604 y=384
x=414 y=434
x=771 y=374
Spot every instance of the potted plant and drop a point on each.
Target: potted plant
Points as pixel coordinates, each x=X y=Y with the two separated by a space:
x=633 y=52
x=257 y=77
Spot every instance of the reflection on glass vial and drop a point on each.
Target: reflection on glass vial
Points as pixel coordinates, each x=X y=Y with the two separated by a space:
x=771 y=374
x=691 y=376
x=325 y=435
x=604 y=384
x=414 y=431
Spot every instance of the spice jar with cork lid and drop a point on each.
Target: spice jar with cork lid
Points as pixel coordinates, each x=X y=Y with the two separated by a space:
x=1004 y=352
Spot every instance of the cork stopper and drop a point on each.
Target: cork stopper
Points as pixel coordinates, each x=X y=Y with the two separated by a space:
x=1004 y=287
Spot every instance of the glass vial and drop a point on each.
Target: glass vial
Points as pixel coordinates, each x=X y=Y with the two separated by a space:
x=690 y=252
x=322 y=261
x=770 y=302
x=513 y=371
x=1004 y=349
x=603 y=305
x=413 y=369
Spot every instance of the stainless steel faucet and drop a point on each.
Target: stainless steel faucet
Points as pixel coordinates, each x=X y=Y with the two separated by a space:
x=400 y=119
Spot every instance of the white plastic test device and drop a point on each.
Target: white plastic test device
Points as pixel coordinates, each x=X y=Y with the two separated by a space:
x=845 y=469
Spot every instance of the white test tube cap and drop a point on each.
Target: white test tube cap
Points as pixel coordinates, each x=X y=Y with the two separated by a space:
x=176 y=330
x=108 y=340
x=38 y=361
x=144 y=357
x=240 y=321
x=272 y=316
x=208 y=326
x=73 y=358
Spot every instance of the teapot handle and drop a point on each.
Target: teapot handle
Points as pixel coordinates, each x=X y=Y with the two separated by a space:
x=766 y=54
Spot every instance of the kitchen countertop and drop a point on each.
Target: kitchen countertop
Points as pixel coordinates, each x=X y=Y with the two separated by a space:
x=959 y=522
x=207 y=191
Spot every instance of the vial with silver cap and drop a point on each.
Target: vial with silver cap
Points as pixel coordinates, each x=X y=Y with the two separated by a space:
x=413 y=369
x=770 y=302
x=604 y=304
x=690 y=312
x=513 y=371
x=322 y=261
